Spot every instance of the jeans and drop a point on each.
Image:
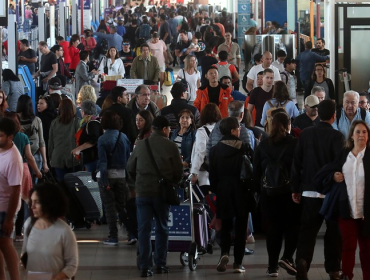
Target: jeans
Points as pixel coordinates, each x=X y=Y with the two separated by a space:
x=147 y=208
x=60 y=172
x=311 y=222
x=114 y=201
x=307 y=88
x=38 y=159
x=91 y=166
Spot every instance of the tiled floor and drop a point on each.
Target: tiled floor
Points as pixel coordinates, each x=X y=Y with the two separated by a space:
x=98 y=261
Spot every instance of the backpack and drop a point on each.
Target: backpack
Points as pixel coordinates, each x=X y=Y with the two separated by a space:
x=339 y=109
x=268 y=123
x=229 y=27
x=183 y=80
x=205 y=166
x=29 y=128
x=169 y=78
x=276 y=178
x=223 y=70
x=286 y=77
x=144 y=31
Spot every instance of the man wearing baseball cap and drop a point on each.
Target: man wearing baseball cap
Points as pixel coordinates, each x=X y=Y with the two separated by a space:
x=311 y=116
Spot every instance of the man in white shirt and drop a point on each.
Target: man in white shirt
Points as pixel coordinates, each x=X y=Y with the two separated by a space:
x=279 y=62
x=266 y=63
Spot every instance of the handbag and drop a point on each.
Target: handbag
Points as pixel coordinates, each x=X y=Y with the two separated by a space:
x=168 y=189
x=24 y=257
x=246 y=172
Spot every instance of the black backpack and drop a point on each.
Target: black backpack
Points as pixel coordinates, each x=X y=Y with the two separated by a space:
x=276 y=178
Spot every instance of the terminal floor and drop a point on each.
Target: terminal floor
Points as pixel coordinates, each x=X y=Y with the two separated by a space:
x=98 y=261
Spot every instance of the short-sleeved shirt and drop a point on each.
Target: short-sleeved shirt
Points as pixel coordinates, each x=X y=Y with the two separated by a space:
x=192 y=81
x=127 y=57
x=323 y=52
x=181 y=46
x=11 y=173
x=21 y=140
x=252 y=74
x=303 y=121
x=157 y=50
x=258 y=98
x=30 y=53
x=47 y=61
x=233 y=52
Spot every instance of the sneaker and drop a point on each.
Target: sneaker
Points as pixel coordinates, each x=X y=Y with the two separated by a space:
x=250 y=239
x=111 y=242
x=132 y=241
x=238 y=268
x=18 y=238
x=221 y=266
x=288 y=266
x=273 y=272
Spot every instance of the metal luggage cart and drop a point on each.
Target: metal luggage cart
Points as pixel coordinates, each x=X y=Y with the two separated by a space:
x=184 y=232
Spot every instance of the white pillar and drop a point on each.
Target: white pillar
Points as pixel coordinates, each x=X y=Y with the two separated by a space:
x=329 y=24
x=291 y=14
x=74 y=17
x=62 y=20
x=52 y=25
x=12 y=42
x=42 y=23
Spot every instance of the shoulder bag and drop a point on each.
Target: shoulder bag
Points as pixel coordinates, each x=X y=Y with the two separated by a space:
x=168 y=189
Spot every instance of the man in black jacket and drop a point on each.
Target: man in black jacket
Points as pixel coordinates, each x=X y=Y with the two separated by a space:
x=317 y=146
x=120 y=99
x=171 y=112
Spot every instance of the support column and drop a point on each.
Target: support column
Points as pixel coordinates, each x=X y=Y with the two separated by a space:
x=329 y=24
x=291 y=14
x=12 y=43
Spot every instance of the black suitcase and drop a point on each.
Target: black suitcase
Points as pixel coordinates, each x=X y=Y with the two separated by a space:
x=82 y=207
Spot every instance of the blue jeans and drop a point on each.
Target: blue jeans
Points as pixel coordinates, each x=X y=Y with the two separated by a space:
x=38 y=159
x=307 y=88
x=147 y=208
x=91 y=166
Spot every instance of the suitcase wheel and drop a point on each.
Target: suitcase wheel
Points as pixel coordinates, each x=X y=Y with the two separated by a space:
x=192 y=262
x=88 y=225
x=184 y=258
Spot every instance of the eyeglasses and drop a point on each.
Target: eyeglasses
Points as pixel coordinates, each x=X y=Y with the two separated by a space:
x=363 y=102
x=353 y=103
x=314 y=107
x=125 y=44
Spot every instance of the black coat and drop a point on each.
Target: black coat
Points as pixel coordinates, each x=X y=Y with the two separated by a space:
x=317 y=145
x=340 y=206
x=234 y=199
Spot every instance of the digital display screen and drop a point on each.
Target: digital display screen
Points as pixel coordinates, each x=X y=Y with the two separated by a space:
x=3 y=13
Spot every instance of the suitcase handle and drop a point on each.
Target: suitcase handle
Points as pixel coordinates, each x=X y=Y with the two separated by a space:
x=82 y=162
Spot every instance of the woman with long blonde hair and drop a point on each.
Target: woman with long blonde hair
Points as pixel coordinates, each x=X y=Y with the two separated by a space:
x=191 y=75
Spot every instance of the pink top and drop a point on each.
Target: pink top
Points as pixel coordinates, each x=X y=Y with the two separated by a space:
x=28 y=14
x=11 y=174
x=89 y=44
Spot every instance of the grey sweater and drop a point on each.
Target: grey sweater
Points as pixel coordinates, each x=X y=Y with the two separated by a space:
x=51 y=250
x=13 y=89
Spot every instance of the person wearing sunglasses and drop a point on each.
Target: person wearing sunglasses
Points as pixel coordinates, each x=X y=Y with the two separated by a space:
x=311 y=116
x=127 y=56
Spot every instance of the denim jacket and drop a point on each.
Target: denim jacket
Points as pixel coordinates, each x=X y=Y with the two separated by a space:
x=120 y=156
x=188 y=139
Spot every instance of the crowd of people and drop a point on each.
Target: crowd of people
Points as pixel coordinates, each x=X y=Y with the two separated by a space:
x=309 y=164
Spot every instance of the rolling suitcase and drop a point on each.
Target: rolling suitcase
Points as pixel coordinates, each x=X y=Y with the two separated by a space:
x=82 y=209
x=201 y=227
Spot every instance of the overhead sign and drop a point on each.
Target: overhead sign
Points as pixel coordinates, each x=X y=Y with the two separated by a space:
x=86 y=4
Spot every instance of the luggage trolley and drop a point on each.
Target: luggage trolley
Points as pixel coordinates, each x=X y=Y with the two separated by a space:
x=188 y=231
